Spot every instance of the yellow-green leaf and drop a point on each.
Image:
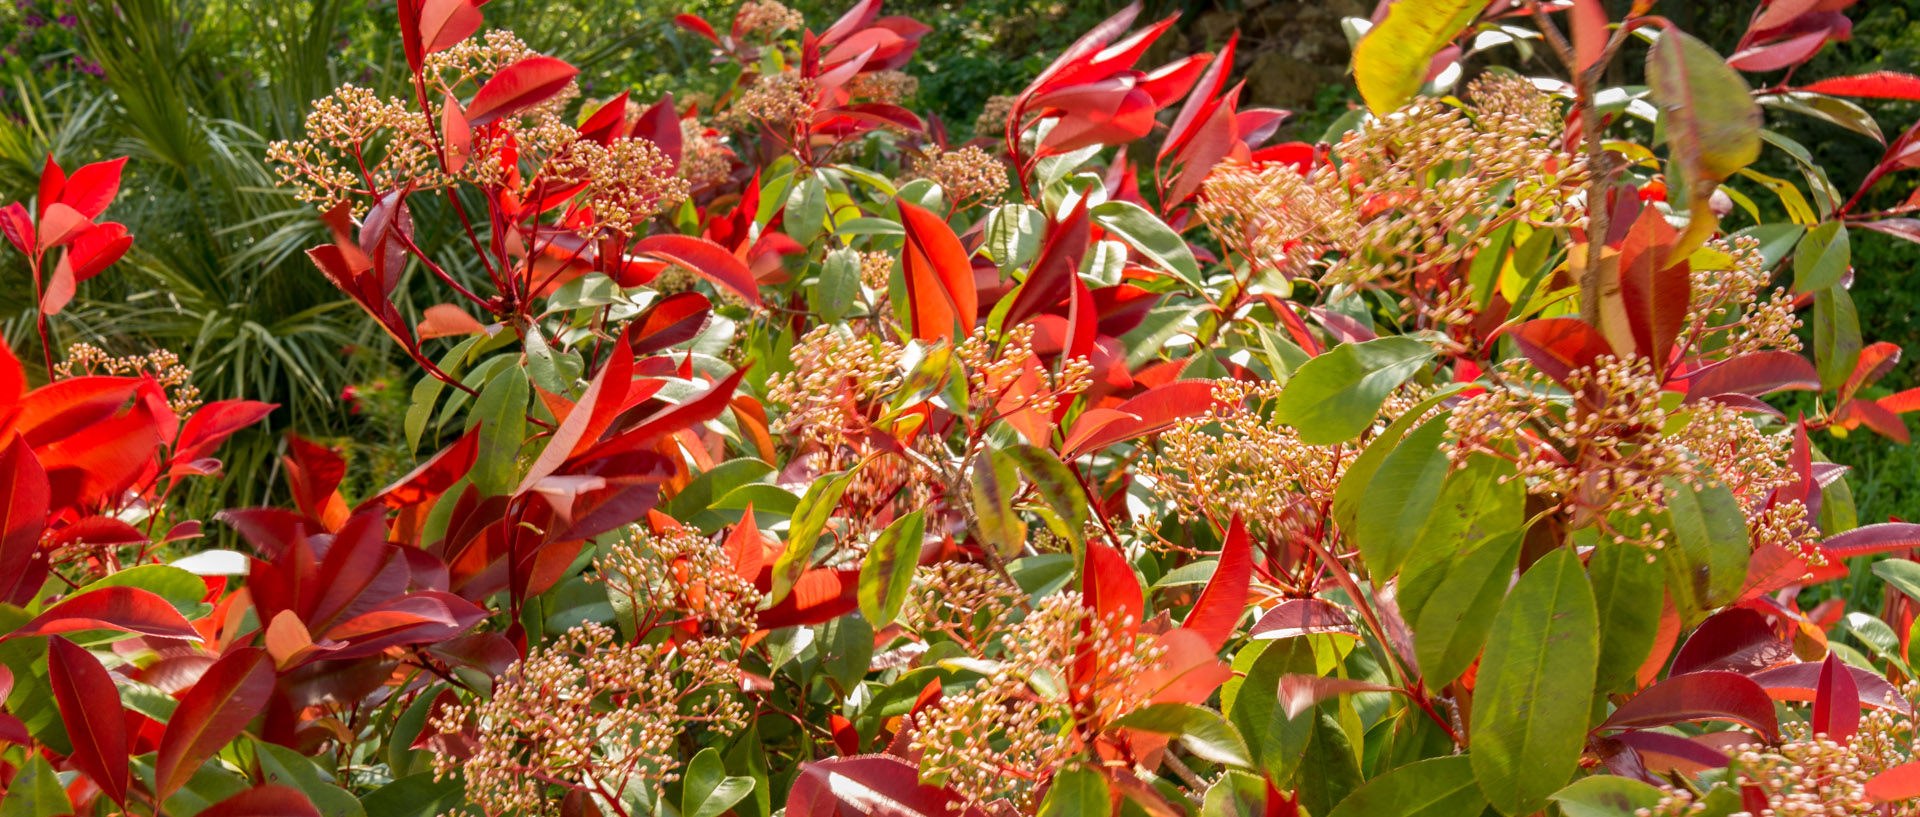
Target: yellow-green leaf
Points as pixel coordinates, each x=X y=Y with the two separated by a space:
x=1390 y=63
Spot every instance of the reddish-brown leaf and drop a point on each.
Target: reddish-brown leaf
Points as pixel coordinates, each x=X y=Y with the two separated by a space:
x=697 y=26
x=456 y=135
x=1054 y=271
x=444 y=23
x=1216 y=614
x=127 y=609
x=1800 y=682
x=705 y=259
x=1738 y=640
x=1755 y=374
x=1297 y=617
x=1836 y=701
x=90 y=709
x=1885 y=537
x=818 y=596
x=519 y=86
x=1560 y=346
x=1654 y=299
x=670 y=321
x=1875 y=361
x=1713 y=695
x=432 y=477
x=270 y=800
x=228 y=695
x=872 y=785
x=939 y=278
x=670 y=419
x=213 y=423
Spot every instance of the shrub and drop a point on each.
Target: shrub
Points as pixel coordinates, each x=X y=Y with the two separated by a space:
x=786 y=452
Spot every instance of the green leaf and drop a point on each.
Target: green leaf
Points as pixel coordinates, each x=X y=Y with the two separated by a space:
x=1836 y=336
x=1056 y=483
x=1235 y=794
x=418 y=795
x=1439 y=787
x=1275 y=741
x=1390 y=63
x=809 y=519
x=412 y=722
x=1454 y=622
x=1077 y=791
x=806 y=209
x=181 y=589
x=1329 y=771
x=1535 y=686
x=1013 y=234
x=35 y=792
x=501 y=414
x=1711 y=122
x=839 y=284
x=706 y=790
x=1359 y=474
x=284 y=766
x=1144 y=231
x=846 y=650
x=991 y=485
x=693 y=504
x=1710 y=563
x=1337 y=395
x=887 y=572
x=1903 y=574
x=1402 y=495
x=1605 y=795
x=1822 y=258
x=1204 y=732
x=869 y=225
x=1626 y=587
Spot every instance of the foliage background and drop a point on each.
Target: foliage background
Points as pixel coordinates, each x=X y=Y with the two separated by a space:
x=193 y=90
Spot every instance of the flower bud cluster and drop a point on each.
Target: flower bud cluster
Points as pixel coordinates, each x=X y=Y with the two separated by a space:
x=680 y=571
x=86 y=359
x=965 y=174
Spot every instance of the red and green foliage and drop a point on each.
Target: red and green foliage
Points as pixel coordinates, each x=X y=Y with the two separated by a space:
x=784 y=451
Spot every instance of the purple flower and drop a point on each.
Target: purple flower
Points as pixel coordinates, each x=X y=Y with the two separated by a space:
x=33 y=21
x=67 y=21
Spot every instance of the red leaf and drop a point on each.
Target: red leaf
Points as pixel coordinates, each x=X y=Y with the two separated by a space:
x=1755 y=374
x=314 y=472
x=90 y=189
x=670 y=419
x=1877 y=85
x=869 y=786
x=18 y=226
x=1800 y=682
x=228 y=695
x=697 y=26
x=1216 y=614
x=444 y=23
x=1199 y=99
x=1560 y=346
x=1655 y=299
x=1699 y=696
x=1661 y=752
x=1054 y=271
x=1297 y=617
x=96 y=249
x=939 y=278
x=746 y=547
x=410 y=42
x=456 y=135
x=60 y=224
x=1868 y=539
x=819 y=595
x=660 y=124
x=1875 y=361
x=518 y=87
x=1836 y=701
x=90 y=708
x=1111 y=590
x=24 y=495
x=606 y=394
x=1901 y=782
x=855 y=19
x=270 y=800
x=433 y=477
x=1739 y=640
x=1779 y=54
x=213 y=423
x=1588 y=21
x=670 y=321
x=703 y=258
x=1151 y=411
x=447 y=320
x=127 y=609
